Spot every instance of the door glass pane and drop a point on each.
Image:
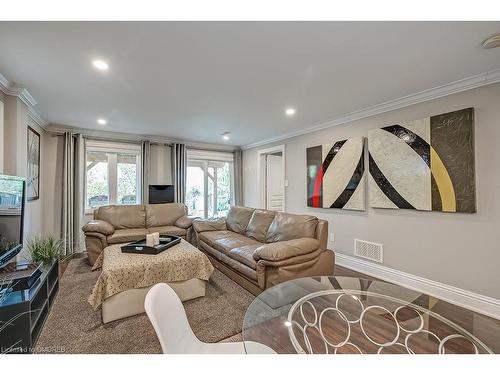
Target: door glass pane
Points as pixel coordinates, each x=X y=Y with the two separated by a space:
x=195 y=199
x=224 y=193
x=97 y=179
x=216 y=177
x=211 y=190
x=126 y=179
x=219 y=188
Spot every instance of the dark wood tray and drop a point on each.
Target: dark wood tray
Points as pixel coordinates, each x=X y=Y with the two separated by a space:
x=140 y=247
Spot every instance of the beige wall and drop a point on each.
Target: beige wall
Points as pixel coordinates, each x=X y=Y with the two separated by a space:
x=462 y=250
x=14 y=154
x=15 y=133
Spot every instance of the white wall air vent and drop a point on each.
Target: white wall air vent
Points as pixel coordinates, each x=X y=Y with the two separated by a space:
x=369 y=250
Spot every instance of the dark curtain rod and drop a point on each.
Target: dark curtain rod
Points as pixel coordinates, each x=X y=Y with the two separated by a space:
x=97 y=138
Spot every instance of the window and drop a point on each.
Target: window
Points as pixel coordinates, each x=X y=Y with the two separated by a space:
x=112 y=174
x=209 y=183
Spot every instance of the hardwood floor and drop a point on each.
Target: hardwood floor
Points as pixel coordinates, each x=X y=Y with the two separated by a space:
x=484 y=327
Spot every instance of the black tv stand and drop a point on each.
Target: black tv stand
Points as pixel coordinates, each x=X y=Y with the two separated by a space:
x=27 y=310
x=19 y=275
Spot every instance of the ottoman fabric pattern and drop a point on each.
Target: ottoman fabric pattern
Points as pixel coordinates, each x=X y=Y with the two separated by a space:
x=123 y=271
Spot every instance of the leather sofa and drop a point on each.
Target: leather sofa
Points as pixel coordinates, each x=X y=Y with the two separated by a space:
x=125 y=223
x=260 y=248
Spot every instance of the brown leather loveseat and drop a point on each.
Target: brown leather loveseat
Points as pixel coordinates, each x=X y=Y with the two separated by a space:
x=126 y=223
x=260 y=248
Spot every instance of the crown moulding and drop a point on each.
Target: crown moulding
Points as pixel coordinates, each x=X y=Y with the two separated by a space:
x=9 y=88
x=455 y=87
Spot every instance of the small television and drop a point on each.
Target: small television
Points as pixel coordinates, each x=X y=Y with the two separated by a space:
x=12 y=197
x=161 y=194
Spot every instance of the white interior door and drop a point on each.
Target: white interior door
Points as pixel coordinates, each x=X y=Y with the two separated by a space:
x=274 y=183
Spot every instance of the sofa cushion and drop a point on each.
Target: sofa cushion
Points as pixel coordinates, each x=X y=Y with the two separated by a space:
x=235 y=265
x=224 y=240
x=210 y=236
x=289 y=226
x=244 y=254
x=237 y=219
x=282 y=250
x=123 y=216
x=168 y=229
x=259 y=224
x=206 y=225
x=158 y=215
x=127 y=235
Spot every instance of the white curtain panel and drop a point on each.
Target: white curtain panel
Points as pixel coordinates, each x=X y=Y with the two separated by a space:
x=146 y=162
x=179 y=170
x=73 y=191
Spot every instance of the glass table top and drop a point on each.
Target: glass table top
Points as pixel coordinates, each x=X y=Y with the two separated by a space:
x=337 y=315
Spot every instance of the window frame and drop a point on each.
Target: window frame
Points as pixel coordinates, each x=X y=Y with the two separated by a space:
x=112 y=149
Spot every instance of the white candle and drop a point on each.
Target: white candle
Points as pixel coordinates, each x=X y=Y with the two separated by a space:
x=150 y=239
x=157 y=238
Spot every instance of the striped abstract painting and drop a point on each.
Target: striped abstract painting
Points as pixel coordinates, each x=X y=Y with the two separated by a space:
x=335 y=175
x=426 y=164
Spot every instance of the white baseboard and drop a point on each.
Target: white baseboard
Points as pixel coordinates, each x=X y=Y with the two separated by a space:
x=463 y=298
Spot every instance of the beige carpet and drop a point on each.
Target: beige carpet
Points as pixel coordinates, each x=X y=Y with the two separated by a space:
x=73 y=326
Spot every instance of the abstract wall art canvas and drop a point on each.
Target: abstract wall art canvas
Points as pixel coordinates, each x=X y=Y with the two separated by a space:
x=426 y=164
x=335 y=175
x=33 y=178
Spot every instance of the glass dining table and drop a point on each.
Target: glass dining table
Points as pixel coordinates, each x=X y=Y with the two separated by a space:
x=335 y=315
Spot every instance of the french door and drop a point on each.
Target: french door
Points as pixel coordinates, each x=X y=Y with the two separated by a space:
x=209 y=187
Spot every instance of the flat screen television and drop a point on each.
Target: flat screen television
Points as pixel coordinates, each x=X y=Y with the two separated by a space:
x=12 y=197
x=161 y=194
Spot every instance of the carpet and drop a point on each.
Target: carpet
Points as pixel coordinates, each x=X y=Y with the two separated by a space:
x=73 y=327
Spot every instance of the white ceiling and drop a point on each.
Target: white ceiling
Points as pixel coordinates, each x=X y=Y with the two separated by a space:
x=196 y=80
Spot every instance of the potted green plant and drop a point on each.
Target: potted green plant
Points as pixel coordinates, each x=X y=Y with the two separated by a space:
x=44 y=249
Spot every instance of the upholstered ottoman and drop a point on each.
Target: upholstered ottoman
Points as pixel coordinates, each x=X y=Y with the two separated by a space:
x=126 y=278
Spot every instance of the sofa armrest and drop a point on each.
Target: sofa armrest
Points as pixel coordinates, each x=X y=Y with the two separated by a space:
x=99 y=226
x=282 y=250
x=207 y=225
x=184 y=222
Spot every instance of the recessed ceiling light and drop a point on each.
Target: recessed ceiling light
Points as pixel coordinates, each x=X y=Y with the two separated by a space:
x=225 y=136
x=101 y=65
x=101 y=121
x=290 y=111
x=492 y=42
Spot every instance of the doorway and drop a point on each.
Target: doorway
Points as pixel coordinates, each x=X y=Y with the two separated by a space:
x=271 y=177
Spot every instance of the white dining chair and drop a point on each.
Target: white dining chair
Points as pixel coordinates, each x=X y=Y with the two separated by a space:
x=168 y=317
